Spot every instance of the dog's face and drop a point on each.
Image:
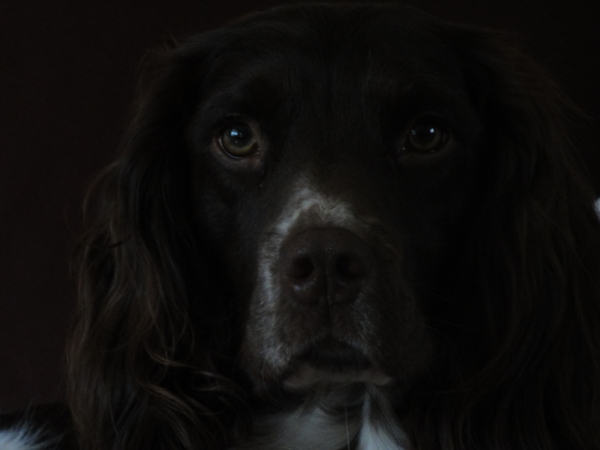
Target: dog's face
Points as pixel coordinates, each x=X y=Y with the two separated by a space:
x=376 y=215
x=334 y=176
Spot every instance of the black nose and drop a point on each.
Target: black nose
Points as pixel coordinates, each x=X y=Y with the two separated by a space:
x=324 y=265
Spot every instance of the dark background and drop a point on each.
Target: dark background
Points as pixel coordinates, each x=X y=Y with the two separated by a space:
x=67 y=77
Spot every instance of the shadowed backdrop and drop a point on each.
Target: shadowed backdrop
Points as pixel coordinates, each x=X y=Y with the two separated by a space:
x=67 y=77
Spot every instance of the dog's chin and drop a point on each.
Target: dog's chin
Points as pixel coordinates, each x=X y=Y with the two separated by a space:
x=332 y=363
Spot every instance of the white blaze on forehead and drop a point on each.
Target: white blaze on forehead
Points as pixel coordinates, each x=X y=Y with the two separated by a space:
x=324 y=210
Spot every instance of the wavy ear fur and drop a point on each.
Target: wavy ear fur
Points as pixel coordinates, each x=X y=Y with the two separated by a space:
x=140 y=363
x=142 y=359
x=530 y=276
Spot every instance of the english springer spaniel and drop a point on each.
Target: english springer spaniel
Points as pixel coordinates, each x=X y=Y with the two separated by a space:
x=340 y=227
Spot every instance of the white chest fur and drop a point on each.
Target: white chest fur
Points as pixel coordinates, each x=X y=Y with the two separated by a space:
x=366 y=422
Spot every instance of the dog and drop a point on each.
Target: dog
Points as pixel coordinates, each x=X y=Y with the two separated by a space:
x=340 y=227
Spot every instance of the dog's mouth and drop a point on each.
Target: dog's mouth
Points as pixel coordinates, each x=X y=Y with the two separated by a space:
x=333 y=362
x=334 y=355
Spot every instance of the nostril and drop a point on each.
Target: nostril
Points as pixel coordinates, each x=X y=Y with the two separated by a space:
x=349 y=268
x=300 y=268
x=324 y=265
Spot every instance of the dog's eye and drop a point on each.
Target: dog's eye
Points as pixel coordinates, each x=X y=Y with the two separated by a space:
x=425 y=137
x=238 y=140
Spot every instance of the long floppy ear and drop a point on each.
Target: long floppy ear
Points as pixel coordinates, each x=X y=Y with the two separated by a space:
x=141 y=371
x=531 y=272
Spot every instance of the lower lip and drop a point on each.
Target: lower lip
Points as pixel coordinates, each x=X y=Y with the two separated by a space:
x=306 y=376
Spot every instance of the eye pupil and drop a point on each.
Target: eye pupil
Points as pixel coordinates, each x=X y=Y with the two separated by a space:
x=238 y=136
x=238 y=140
x=425 y=137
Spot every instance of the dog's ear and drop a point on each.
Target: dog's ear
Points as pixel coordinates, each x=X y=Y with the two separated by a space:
x=140 y=369
x=532 y=267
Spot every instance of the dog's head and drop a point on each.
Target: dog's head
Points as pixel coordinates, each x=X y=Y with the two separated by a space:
x=328 y=195
x=334 y=177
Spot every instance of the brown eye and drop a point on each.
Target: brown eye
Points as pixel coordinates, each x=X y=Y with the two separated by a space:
x=425 y=137
x=238 y=140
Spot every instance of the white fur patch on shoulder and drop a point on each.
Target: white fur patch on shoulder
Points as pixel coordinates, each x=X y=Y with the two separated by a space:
x=597 y=204
x=20 y=439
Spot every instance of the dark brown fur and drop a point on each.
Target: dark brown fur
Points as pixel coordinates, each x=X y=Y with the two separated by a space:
x=509 y=284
